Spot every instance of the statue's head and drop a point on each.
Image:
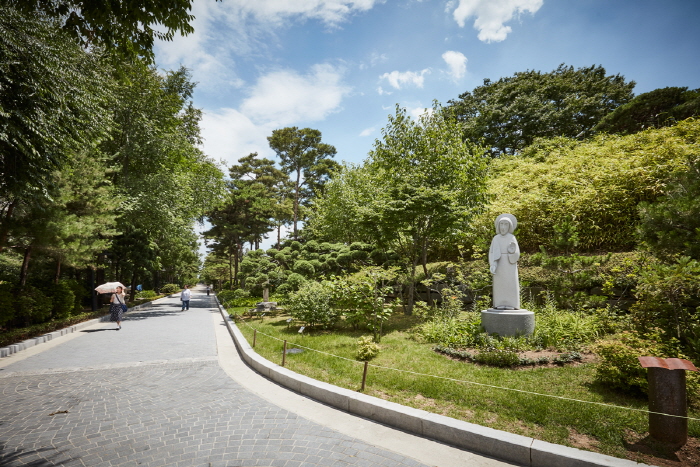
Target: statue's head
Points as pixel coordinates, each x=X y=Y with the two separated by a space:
x=505 y=226
x=506 y=223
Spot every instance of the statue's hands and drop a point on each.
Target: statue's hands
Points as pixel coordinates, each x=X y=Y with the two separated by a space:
x=493 y=267
x=511 y=247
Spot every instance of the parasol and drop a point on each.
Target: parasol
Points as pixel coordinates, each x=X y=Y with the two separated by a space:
x=109 y=287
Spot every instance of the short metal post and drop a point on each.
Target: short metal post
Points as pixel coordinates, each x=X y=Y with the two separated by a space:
x=284 y=353
x=255 y=335
x=364 y=377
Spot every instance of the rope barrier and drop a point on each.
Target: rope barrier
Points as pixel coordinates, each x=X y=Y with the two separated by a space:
x=474 y=382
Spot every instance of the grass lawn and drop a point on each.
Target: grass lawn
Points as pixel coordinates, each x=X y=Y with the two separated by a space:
x=579 y=424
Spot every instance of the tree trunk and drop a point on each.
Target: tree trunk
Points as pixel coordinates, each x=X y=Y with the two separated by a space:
x=25 y=266
x=230 y=269
x=58 y=271
x=93 y=293
x=296 y=203
x=279 y=234
x=132 y=294
x=4 y=227
x=236 y=258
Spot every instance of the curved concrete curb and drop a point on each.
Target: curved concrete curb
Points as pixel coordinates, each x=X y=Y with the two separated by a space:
x=14 y=348
x=495 y=443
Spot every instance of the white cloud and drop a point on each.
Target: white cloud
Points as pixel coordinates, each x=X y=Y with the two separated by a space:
x=397 y=78
x=457 y=63
x=330 y=12
x=242 y=28
x=491 y=15
x=277 y=99
x=417 y=112
x=286 y=97
x=229 y=135
x=381 y=91
x=367 y=131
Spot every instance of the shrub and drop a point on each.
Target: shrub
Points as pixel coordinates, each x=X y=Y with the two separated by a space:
x=497 y=357
x=236 y=298
x=620 y=369
x=80 y=292
x=367 y=349
x=311 y=304
x=170 y=289
x=294 y=282
x=304 y=268
x=32 y=306
x=7 y=307
x=62 y=300
x=146 y=295
x=453 y=332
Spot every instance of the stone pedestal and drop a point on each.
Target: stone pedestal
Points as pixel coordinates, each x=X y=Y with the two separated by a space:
x=266 y=306
x=508 y=323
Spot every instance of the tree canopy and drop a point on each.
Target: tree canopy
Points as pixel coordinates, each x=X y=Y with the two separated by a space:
x=307 y=159
x=654 y=109
x=53 y=101
x=130 y=27
x=420 y=184
x=507 y=115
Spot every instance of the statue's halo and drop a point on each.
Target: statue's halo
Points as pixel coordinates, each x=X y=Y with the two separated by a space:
x=512 y=219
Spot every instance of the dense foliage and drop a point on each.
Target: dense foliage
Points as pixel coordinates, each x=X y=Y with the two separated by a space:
x=598 y=185
x=102 y=175
x=654 y=109
x=509 y=114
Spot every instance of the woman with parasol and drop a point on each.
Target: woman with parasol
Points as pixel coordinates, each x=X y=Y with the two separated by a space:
x=117 y=304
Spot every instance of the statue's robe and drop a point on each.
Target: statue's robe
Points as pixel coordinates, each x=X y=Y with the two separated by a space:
x=506 y=286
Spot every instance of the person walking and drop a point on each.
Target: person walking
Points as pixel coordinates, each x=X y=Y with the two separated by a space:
x=207 y=291
x=116 y=307
x=185 y=298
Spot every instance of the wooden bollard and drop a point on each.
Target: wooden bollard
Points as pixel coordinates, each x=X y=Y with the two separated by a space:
x=668 y=408
x=364 y=377
x=284 y=353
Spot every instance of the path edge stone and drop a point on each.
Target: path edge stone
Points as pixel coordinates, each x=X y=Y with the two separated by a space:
x=498 y=444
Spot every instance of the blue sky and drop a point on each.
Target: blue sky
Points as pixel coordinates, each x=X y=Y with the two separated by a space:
x=341 y=66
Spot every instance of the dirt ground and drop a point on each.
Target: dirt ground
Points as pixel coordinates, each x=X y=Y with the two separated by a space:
x=644 y=449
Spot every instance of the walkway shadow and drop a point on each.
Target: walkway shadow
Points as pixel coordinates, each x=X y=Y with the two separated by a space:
x=13 y=457
x=95 y=330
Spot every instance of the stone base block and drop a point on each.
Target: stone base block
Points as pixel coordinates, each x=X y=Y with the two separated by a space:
x=508 y=323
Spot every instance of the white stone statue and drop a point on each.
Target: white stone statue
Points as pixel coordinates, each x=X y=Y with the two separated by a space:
x=503 y=260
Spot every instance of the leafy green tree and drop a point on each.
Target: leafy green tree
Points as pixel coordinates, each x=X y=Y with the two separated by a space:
x=307 y=159
x=53 y=103
x=160 y=170
x=507 y=115
x=271 y=186
x=670 y=225
x=361 y=298
x=334 y=215
x=424 y=185
x=654 y=109
x=129 y=27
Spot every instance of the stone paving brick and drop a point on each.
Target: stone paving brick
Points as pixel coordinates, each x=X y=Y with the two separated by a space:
x=161 y=400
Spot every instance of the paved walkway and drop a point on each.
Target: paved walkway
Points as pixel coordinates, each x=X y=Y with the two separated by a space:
x=169 y=389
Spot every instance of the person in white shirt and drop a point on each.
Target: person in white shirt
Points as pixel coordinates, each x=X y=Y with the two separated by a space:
x=185 y=298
